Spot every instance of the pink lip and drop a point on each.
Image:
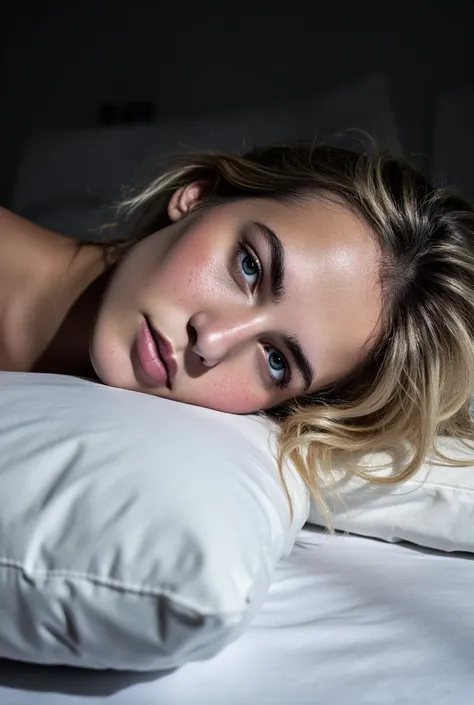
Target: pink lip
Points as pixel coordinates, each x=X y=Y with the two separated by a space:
x=156 y=355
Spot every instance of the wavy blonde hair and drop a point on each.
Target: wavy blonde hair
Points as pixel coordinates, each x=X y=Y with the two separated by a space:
x=416 y=382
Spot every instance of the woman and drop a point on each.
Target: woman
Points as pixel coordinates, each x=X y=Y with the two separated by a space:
x=331 y=289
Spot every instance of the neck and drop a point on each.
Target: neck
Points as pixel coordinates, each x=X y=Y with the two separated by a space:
x=85 y=280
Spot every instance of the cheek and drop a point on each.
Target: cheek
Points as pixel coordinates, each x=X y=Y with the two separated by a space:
x=193 y=268
x=225 y=391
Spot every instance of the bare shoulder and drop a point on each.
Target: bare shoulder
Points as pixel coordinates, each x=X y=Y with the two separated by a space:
x=25 y=245
x=29 y=258
x=42 y=275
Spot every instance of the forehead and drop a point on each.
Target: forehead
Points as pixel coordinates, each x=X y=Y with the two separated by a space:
x=313 y=222
x=332 y=290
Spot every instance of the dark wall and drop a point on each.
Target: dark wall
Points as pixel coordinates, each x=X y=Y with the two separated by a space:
x=61 y=60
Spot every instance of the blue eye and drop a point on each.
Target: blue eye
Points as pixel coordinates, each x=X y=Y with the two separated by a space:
x=250 y=267
x=278 y=367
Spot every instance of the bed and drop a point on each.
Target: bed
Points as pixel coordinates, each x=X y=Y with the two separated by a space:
x=347 y=620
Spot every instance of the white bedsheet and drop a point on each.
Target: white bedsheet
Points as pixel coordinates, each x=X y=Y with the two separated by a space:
x=348 y=621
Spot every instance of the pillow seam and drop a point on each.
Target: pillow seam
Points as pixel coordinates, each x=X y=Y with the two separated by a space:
x=110 y=583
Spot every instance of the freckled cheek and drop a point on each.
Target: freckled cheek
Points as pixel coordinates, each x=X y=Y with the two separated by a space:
x=189 y=276
x=227 y=392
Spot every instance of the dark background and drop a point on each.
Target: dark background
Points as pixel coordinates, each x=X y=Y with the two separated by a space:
x=60 y=62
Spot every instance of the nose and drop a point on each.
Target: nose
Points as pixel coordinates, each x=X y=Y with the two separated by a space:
x=219 y=334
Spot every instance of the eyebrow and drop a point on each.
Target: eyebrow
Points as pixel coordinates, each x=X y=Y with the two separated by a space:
x=277 y=285
x=277 y=261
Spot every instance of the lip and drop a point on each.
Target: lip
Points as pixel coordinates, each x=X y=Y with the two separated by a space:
x=165 y=351
x=156 y=355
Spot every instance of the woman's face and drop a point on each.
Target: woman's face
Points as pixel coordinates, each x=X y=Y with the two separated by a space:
x=240 y=306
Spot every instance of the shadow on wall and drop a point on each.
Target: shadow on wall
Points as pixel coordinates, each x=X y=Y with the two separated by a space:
x=453 y=152
x=74 y=200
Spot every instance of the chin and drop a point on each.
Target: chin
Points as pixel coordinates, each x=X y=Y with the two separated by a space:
x=113 y=370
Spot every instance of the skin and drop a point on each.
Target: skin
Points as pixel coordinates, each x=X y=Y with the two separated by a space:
x=204 y=295
x=43 y=279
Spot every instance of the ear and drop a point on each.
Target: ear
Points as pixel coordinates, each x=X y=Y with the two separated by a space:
x=185 y=199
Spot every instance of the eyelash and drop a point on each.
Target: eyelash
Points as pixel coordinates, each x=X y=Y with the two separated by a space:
x=244 y=249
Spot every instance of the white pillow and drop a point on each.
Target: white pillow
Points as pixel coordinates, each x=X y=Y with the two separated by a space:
x=434 y=509
x=135 y=532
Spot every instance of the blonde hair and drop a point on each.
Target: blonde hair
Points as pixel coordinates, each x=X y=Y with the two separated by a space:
x=416 y=382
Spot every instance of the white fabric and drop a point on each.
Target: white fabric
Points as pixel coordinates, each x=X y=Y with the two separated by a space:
x=347 y=620
x=433 y=509
x=135 y=532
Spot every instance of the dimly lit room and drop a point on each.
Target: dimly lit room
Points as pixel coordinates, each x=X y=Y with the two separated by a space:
x=236 y=353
